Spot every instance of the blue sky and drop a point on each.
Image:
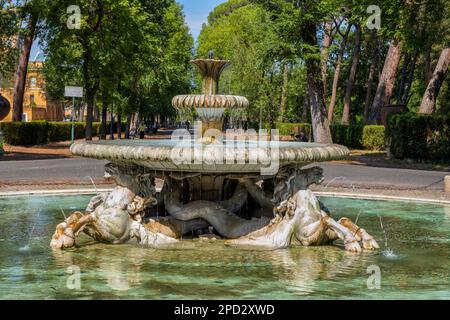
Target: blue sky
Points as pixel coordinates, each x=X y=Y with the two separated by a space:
x=196 y=12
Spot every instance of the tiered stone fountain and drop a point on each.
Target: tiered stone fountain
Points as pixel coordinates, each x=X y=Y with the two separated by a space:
x=242 y=188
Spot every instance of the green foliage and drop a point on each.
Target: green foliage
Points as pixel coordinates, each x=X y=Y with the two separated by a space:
x=419 y=136
x=243 y=32
x=293 y=129
x=8 y=51
x=374 y=137
x=40 y=132
x=359 y=136
x=353 y=136
x=348 y=135
x=129 y=53
x=25 y=133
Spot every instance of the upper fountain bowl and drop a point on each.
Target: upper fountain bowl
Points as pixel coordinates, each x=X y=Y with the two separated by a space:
x=215 y=101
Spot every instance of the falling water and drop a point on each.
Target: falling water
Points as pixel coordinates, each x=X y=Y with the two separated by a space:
x=334 y=179
x=27 y=246
x=63 y=213
x=93 y=183
x=388 y=252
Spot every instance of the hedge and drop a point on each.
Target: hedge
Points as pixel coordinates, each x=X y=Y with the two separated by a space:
x=347 y=135
x=359 y=136
x=355 y=136
x=289 y=129
x=39 y=132
x=419 y=136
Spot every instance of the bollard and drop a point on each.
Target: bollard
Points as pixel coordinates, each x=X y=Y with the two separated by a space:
x=447 y=184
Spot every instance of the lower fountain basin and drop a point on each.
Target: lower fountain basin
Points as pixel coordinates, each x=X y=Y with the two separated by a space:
x=416 y=232
x=189 y=156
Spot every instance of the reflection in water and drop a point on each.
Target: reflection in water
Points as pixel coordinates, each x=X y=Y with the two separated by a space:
x=196 y=270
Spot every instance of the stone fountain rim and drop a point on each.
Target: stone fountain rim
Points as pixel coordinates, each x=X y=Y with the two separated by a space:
x=159 y=156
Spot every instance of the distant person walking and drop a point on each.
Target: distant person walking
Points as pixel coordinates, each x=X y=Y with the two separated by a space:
x=155 y=128
x=302 y=137
x=142 y=128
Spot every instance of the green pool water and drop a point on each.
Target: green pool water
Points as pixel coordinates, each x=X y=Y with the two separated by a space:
x=419 y=268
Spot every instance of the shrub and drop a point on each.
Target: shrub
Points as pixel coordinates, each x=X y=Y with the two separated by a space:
x=374 y=138
x=419 y=136
x=39 y=132
x=25 y=133
x=291 y=129
x=348 y=135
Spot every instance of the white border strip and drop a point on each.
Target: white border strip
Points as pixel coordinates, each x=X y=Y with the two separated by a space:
x=52 y=192
x=378 y=197
x=318 y=193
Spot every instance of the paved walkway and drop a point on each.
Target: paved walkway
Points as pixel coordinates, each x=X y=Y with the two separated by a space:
x=78 y=170
x=392 y=178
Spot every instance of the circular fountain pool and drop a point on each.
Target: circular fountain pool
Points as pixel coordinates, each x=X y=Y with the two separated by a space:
x=415 y=268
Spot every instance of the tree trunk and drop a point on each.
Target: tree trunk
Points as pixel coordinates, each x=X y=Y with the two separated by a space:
x=372 y=72
x=405 y=98
x=119 y=124
x=91 y=87
x=386 y=82
x=22 y=69
x=352 y=76
x=136 y=120
x=104 y=120
x=305 y=109
x=325 y=53
x=81 y=113
x=337 y=74
x=428 y=104
x=111 y=125
x=128 y=126
x=401 y=89
x=90 y=100
x=319 y=121
x=96 y=114
x=284 y=91
x=428 y=72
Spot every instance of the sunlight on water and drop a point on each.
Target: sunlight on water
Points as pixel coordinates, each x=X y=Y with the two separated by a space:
x=414 y=266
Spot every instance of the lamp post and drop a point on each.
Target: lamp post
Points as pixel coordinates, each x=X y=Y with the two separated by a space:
x=73 y=92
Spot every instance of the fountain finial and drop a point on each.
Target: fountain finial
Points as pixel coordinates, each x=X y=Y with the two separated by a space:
x=210 y=69
x=210 y=54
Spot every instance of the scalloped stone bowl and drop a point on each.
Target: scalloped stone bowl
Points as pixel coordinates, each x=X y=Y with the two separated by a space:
x=191 y=156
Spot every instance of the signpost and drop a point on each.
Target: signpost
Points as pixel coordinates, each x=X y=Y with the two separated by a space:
x=73 y=92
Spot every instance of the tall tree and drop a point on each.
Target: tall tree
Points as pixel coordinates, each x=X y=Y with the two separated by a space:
x=319 y=120
x=337 y=71
x=31 y=14
x=284 y=91
x=325 y=52
x=428 y=104
x=8 y=31
x=352 y=75
x=386 y=83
